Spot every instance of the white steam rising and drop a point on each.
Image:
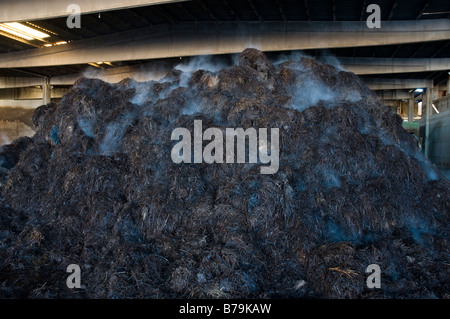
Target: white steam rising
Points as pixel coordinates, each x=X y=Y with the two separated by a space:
x=207 y=63
x=87 y=126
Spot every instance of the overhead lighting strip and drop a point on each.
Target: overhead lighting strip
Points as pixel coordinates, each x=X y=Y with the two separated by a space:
x=17 y=29
x=37 y=27
x=14 y=33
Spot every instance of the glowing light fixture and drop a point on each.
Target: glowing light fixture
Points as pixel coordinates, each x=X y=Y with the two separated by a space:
x=22 y=31
x=418 y=90
x=100 y=63
x=14 y=33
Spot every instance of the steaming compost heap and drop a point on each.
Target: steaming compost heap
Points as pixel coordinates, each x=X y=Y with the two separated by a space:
x=96 y=187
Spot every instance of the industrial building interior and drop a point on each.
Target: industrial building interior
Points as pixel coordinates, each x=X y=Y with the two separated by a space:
x=99 y=201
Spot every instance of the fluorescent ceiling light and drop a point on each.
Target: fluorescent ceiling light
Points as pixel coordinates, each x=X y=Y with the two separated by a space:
x=15 y=33
x=95 y=65
x=27 y=30
x=419 y=90
x=100 y=63
x=22 y=31
x=57 y=43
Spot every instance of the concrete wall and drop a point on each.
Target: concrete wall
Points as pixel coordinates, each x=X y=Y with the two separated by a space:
x=440 y=138
x=443 y=104
x=15 y=122
x=27 y=104
x=30 y=93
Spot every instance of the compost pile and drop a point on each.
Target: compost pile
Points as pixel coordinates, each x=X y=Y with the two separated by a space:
x=96 y=186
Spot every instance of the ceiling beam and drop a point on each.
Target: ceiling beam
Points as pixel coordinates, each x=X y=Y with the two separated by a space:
x=140 y=72
x=396 y=84
x=393 y=94
x=31 y=93
x=390 y=65
x=18 y=82
x=209 y=38
x=375 y=84
x=360 y=66
x=25 y=10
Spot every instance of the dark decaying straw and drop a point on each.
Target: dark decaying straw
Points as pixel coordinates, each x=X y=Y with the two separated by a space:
x=96 y=187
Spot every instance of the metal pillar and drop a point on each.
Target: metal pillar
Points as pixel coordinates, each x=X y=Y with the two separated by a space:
x=448 y=86
x=411 y=107
x=46 y=93
x=429 y=108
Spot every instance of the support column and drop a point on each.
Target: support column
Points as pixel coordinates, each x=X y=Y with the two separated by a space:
x=411 y=107
x=448 y=85
x=46 y=94
x=429 y=108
